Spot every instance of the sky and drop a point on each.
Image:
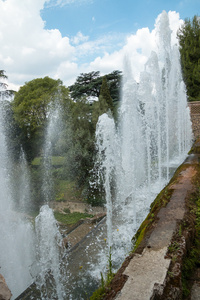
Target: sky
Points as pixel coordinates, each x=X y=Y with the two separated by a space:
x=63 y=38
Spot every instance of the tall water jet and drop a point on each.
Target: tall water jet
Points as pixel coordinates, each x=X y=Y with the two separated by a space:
x=22 y=184
x=50 y=252
x=16 y=234
x=106 y=141
x=154 y=134
x=49 y=255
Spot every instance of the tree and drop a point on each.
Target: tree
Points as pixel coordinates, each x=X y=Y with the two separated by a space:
x=11 y=129
x=4 y=92
x=89 y=84
x=114 y=81
x=31 y=105
x=105 y=99
x=189 y=40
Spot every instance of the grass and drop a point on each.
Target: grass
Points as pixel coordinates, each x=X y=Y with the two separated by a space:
x=70 y=218
x=56 y=161
x=67 y=190
x=105 y=282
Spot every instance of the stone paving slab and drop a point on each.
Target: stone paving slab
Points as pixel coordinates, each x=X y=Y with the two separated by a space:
x=144 y=271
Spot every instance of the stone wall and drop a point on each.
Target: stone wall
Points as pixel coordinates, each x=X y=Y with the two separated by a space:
x=195 y=117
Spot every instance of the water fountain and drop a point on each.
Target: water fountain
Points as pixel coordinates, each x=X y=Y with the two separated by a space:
x=16 y=234
x=29 y=255
x=50 y=253
x=154 y=135
x=134 y=160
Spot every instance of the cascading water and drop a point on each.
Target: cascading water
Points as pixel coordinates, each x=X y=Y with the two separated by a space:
x=154 y=134
x=16 y=234
x=50 y=253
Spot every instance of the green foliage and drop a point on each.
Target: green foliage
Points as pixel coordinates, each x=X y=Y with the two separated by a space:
x=67 y=190
x=55 y=161
x=101 y=291
x=105 y=99
x=74 y=149
x=31 y=108
x=189 y=39
x=11 y=129
x=173 y=247
x=81 y=151
x=89 y=84
x=70 y=218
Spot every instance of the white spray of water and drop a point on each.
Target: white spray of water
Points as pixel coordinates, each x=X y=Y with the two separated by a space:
x=16 y=234
x=24 y=184
x=50 y=253
x=49 y=250
x=154 y=134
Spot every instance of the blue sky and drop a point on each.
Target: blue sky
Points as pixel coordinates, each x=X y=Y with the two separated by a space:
x=96 y=17
x=62 y=38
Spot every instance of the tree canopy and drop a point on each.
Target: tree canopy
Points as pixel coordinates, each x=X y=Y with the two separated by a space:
x=31 y=105
x=89 y=84
x=189 y=40
x=75 y=142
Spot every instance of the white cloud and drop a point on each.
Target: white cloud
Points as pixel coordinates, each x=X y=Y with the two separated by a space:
x=138 y=47
x=79 y=38
x=50 y=3
x=28 y=50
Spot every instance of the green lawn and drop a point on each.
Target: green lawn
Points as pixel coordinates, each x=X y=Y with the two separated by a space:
x=67 y=190
x=71 y=218
x=56 y=161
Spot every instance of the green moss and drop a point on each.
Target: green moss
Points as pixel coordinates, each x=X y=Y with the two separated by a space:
x=161 y=201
